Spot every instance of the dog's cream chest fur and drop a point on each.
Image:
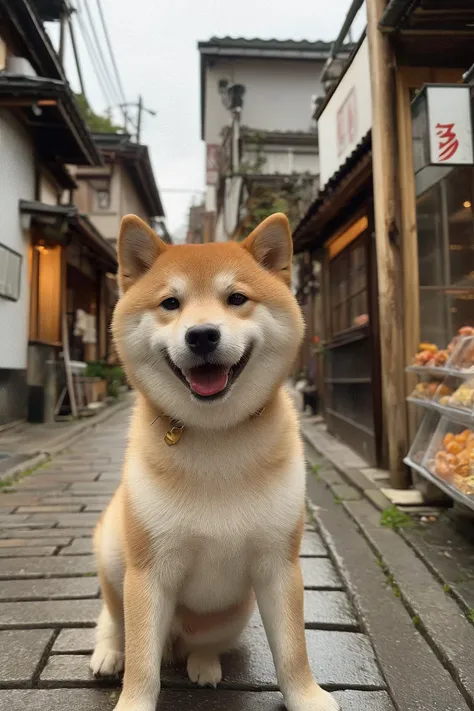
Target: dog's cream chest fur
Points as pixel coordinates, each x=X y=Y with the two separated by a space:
x=211 y=535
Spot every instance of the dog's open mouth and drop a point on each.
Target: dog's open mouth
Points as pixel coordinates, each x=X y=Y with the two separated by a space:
x=210 y=380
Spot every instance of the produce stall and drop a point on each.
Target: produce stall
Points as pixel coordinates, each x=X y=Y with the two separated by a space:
x=443 y=448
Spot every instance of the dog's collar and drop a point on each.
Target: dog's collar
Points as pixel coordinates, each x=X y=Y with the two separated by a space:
x=175 y=428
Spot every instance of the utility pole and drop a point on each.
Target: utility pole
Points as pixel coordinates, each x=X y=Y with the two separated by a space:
x=384 y=132
x=63 y=22
x=140 y=107
x=139 y=117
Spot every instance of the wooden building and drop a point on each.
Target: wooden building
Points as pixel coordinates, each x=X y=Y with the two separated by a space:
x=373 y=226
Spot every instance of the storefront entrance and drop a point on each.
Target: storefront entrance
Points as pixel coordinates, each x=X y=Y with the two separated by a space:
x=351 y=363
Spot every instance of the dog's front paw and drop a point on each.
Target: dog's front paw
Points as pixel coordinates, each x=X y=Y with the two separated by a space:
x=106 y=661
x=204 y=670
x=316 y=700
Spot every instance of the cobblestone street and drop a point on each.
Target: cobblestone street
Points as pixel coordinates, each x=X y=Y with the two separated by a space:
x=50 y=601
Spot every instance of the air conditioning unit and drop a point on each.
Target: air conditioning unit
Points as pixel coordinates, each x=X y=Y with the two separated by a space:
x=20 y=66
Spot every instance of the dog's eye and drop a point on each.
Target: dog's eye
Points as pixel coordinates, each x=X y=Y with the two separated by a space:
x=237 y=299
x=170 y=304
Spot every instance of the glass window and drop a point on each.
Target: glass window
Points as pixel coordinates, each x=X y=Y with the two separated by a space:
x=446 y=256
x=348 y=279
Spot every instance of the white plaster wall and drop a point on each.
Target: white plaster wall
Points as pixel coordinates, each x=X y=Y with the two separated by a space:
x=16 y=182
x=277 y=98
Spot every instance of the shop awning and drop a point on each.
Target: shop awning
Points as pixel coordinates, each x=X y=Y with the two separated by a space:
x=344 y=185
x=418 y=23
x=50 y=110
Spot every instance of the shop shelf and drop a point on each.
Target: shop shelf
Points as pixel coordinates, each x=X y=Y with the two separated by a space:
x=448 y=489
x=423 y=437
x=450 y=456
x=459 y=365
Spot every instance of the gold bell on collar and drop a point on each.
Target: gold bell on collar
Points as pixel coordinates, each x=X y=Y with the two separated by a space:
x=173 y=435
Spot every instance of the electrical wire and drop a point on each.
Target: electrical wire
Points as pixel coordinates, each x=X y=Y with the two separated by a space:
x=103 y=82
x=100 y=54
x=112 y=57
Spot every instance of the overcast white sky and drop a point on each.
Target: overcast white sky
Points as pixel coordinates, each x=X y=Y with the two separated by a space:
x=155 y=45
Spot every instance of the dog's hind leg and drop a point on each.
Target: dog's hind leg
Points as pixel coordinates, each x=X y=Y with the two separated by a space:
x=108 y=656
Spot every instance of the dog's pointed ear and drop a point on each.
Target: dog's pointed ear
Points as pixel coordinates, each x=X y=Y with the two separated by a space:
x=138 y=248
x=271 y=245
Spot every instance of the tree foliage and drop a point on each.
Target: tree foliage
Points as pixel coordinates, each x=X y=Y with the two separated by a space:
x=95 y=122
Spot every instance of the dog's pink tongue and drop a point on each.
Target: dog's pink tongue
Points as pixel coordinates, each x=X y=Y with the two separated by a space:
x=208 y=380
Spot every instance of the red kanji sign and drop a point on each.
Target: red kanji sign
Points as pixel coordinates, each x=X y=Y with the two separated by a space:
x=447 y=141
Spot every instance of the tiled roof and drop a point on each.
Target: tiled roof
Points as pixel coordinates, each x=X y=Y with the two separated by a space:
x=363 y=148
x=258 y=43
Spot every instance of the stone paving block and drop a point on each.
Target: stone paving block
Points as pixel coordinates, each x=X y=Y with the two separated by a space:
x=26 y=552
x=344 y=492
x=58 y=508
x=312 y=545
x=65 y=520
x=67 y=669
x=75 y=641
x=49 y=589
x=320 y=573
x=12 y=518
x=328 y=610
x=47 y=533
x=102 y=489
x=97 y=508
x=6 y=510
x=46 y=567
x=78 y=500
x=79 y=546
x=338 y=659
x=49 y=613
x=33 y=542
x=20 y=653
x=9 y=526
x=365 y=701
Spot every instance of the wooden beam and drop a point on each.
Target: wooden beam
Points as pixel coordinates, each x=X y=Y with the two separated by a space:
x=386 y=234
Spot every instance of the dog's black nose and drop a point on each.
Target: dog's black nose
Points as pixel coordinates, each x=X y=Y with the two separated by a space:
x=202 y=340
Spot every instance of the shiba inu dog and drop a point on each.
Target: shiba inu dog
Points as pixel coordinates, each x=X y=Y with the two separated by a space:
x=209 y=516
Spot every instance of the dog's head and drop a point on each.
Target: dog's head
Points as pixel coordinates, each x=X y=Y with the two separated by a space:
x=207 y=332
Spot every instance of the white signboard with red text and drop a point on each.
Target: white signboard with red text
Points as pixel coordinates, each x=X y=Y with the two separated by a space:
x=347 y=117
x=449 y=124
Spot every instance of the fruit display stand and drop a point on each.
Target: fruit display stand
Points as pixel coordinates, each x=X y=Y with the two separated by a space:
x=443 y=449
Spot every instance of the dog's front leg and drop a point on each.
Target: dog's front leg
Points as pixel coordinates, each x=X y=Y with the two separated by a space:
x=279 y=588
x=149 y=607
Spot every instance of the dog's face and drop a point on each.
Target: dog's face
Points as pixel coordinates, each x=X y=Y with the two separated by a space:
x=207 y=332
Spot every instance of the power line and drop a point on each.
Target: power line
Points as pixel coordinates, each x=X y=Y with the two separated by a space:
x=91 y=51
x=111 y=51
x=100 y=54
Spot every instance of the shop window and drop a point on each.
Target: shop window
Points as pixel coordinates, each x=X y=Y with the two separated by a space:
x=446 y=256
x=45 y=294
x=348 y=283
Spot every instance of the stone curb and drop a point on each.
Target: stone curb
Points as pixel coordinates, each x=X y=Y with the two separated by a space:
x=417 y=679
x=354 y=476
x=64 y=441
x=438 y=616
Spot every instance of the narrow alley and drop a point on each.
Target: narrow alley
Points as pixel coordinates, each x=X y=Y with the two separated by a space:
x=362 y=642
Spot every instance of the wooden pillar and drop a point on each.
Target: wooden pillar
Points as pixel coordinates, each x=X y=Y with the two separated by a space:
x=386 y=235
x=409 y=239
